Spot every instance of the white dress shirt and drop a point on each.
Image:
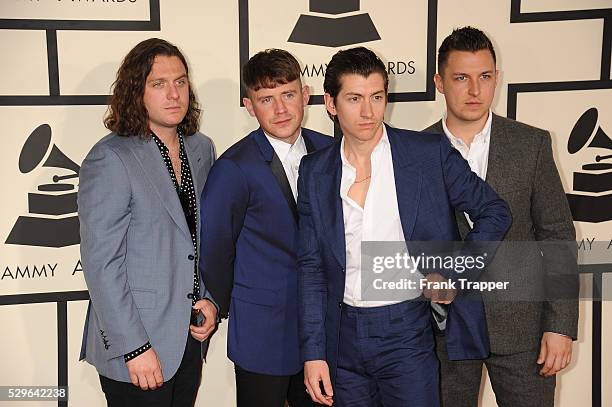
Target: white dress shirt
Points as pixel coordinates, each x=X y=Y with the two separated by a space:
x=477 y=153
x=378 y=220
x=290 y=156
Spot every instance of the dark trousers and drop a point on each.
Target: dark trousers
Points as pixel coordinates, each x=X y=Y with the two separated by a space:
x=262 y=390
x=179 y=391
x=514 y=378
x=386 y=357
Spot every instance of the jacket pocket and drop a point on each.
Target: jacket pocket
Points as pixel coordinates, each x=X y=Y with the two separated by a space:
x=252 y=295
x=144 y=298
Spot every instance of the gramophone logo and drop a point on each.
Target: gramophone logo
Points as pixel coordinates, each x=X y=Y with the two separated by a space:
x=334 y=30
x=591 y=200
x=52 y=220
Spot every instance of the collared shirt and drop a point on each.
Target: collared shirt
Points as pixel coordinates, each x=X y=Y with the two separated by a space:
x=378 y=220
x=290 y=156
x=477 y=153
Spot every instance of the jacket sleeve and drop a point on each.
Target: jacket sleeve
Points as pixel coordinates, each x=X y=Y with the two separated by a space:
x=224 y=203
x=554 y=229
x=312 y=283
x=104 y=214
x=468 y=193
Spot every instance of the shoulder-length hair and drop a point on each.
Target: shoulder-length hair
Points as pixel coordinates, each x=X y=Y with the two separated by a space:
x=126 y=114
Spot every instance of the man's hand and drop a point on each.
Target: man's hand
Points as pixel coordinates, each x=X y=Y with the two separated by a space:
x=315 y=372
x=439 y=296
x=208 y=309
x=555 y=353
x=145 y=370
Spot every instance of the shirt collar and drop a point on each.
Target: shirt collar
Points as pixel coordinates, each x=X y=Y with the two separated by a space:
x=483 y=134
x=282 y=148
x=382 y=143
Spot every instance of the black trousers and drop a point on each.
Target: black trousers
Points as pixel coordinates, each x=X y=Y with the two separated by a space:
x=262 y=390
x=179 y=391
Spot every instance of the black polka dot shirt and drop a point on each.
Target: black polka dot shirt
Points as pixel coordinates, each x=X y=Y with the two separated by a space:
x=187 y=197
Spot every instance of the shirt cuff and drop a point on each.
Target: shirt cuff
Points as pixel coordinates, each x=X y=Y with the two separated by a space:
x=129 y=356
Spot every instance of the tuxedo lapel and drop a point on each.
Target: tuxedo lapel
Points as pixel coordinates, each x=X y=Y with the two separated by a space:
x=328 y=196
x=276 y=166
x=277 y=169
x=406 y=171
x=148 y=156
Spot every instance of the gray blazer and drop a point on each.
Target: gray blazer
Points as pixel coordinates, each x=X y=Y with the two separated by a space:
x=521 y=169
x=137 y=252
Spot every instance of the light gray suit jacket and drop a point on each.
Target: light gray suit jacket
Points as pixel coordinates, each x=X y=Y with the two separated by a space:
x=137 y=252
x=521 y=169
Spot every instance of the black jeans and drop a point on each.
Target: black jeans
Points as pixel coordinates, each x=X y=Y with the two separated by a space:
x=179 y=391
x=262 y=390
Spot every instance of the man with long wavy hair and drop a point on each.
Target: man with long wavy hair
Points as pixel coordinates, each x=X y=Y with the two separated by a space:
x=147 y=322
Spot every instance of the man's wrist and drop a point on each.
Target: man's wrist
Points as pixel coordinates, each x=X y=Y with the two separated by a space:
x=129 y=356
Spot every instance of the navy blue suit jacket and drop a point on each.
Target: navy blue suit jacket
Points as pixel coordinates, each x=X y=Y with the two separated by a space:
x=248 y=255
x=432 y=180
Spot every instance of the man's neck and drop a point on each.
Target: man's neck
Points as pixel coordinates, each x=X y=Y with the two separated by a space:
x=290 y=140
x=466 y=130
x=359 y=152
x=168 y=136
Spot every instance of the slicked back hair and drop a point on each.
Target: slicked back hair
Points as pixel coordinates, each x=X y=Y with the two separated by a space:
x=358 y=61
x=127 y=114
x=468 y=39
x=270 y=68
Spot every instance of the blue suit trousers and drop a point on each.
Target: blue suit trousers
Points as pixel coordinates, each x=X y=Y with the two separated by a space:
x=386 y=357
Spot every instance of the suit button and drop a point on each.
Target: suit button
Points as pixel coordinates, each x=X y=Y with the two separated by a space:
x=340 y=305
x=190 y=296
x=190 y=257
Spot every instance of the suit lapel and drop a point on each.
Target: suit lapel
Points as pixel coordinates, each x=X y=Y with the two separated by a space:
x=276 y=166
x=149 y=158
x=192 y=150
x=498 y=151
x=407 y=180
x=310 y=148
x=328 y=196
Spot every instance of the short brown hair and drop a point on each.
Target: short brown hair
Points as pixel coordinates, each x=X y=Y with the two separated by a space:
x=270 y=68
x=127 y=115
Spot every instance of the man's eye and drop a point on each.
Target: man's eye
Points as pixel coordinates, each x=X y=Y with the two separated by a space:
x=460 y=77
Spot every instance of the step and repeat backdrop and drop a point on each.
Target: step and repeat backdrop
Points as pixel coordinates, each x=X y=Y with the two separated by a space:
x=59 y=61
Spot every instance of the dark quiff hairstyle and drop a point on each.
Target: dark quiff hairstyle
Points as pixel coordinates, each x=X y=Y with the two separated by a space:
x=127 y=115
x=358 y=61
x=468 y=39
x=270 y=68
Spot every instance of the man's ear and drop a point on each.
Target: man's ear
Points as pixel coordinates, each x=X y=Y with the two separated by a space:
x=438 y=82
x=330 y=105
x=249 y=106
x=305 y=94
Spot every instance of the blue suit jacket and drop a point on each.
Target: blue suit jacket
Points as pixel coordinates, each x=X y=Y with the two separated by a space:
x=432 y=180
x=248 y=261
